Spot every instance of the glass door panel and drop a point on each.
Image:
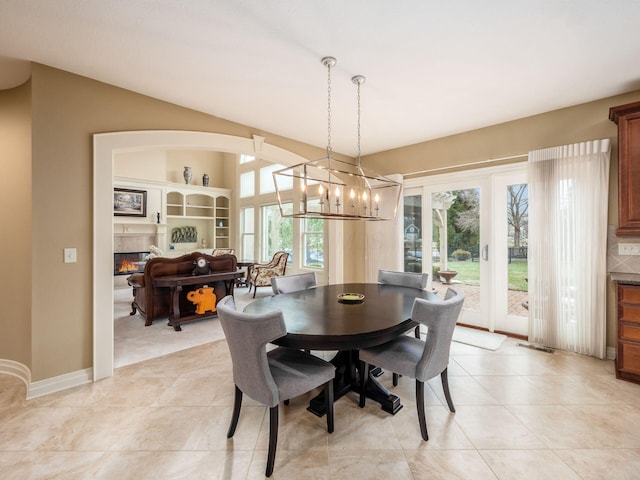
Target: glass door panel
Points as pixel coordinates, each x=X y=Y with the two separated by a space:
x=514 y=317
x=455 y=248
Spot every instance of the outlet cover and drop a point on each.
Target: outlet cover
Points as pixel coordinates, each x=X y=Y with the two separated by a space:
x=629 y=249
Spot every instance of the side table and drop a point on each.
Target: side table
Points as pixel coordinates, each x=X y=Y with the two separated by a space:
x=175 y=284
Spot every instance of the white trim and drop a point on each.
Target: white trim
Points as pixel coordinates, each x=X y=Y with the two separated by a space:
x=16 y=369
x=470 y=164
x=104 y=147
x=61 y=382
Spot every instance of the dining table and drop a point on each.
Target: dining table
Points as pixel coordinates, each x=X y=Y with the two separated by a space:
x=323 y=318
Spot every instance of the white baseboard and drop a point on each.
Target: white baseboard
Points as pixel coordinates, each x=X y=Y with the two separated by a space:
x=61 y=382
x=16 y=369
x=611 y=353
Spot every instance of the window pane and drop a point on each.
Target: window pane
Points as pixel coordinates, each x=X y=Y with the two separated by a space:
x=247 y=184
x=266 y=179
x=246 y=158
x=313 y=233
x=413 y=233
x=277 y=232
x=247 y=224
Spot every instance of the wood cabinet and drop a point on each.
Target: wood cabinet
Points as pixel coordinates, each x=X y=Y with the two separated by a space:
x=627 y=117
x=628 y=354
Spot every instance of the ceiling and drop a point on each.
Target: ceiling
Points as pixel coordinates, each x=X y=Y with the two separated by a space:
x=433 y=68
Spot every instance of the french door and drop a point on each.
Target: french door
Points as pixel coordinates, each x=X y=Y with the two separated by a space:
x=469 y=231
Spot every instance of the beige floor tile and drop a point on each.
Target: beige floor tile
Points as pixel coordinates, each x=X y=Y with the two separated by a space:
x=494 y=427
x=370 y=464
x=582 y=426
x=528 y=465
x=447 y=464
x=291 y=464
x=610 y=464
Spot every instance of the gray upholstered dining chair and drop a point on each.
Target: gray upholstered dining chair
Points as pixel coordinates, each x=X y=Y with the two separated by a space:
x=269 y=377
x=416 y=358
x=293 y=283
x=404 y=279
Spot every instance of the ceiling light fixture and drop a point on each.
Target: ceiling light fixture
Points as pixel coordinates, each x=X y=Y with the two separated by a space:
x=334 y=189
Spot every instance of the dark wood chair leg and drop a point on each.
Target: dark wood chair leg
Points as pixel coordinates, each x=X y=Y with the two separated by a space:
x=328 y=396
x=447 y=394
x=420 y=406
x=237 y=403
x=286 y=402
x=273 y=439
x=364 y=376
x=418 y=331
x=395 y=379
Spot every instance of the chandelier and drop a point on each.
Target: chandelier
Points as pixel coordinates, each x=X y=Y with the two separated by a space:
x=335 y=189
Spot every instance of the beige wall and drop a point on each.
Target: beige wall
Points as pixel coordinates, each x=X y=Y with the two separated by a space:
x=49 y=326
x=15 y=241
x=66 y=111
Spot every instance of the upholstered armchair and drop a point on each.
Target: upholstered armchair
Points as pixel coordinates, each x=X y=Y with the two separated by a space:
x=260 y=274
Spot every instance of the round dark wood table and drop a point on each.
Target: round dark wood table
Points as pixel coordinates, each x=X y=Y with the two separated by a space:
x=316 y=320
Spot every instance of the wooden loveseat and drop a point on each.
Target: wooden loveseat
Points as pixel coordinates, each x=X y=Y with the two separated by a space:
x=153 y=302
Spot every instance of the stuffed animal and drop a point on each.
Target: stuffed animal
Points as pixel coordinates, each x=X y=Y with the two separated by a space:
x=204 y=299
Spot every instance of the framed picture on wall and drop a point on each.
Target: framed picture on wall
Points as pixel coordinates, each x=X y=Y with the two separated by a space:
x=129 y=203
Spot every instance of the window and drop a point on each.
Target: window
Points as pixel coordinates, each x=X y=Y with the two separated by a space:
x=313 y=241
x=413 y=234
x=266 y=179
x=277 y=232
x=247 y=184
x=246 y=158
x=247 y=234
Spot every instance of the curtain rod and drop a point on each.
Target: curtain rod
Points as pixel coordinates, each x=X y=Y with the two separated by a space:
x=491 y=160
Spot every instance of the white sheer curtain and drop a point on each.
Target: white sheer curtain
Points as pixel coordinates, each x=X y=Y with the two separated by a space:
x=568 y=189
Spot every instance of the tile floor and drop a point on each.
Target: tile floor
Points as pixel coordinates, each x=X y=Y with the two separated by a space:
x=521 y=414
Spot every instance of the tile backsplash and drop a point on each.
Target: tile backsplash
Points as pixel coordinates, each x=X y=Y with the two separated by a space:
x=621 y=263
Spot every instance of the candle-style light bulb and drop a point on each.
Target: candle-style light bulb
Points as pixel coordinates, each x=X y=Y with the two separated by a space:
x=337 y=197
x=377 y=204
x=364 y=202
x=353 y=203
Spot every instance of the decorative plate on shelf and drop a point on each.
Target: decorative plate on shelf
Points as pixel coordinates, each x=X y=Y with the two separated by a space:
x=351 y=298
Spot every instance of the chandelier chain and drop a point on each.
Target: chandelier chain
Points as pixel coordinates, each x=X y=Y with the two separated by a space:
x=358 y=158
x=329 y=109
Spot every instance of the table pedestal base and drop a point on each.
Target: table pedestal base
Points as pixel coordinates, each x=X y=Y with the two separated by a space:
x=348 y=371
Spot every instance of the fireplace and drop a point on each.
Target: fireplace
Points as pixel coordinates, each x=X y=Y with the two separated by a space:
x=125 y=263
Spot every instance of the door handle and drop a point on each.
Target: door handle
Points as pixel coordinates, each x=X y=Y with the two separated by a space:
x=485 y=253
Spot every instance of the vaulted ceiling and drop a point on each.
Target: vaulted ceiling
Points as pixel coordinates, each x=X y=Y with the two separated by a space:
x=433 y=68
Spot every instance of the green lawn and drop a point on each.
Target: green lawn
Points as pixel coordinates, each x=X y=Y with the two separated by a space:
x=469 y=272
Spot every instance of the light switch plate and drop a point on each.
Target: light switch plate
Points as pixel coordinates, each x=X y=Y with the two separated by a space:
x=629 y=249
x=70 y=255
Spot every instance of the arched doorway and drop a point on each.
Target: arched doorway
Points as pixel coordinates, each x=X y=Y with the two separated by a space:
x=105 y=146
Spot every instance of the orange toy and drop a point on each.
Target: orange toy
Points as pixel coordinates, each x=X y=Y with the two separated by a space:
x=204 y=299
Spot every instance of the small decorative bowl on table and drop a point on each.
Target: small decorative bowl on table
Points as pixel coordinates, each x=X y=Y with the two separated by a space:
x=349 y=298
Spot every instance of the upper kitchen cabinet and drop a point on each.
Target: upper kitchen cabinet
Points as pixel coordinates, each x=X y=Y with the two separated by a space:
x=627 y=117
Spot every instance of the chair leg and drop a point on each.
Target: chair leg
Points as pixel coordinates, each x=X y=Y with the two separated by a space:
x=237 y=403
x=420 y=406
x=364 y=376
x=273 y=439
x=328 y=398
x=395 y=379
x=418 y=331
x=447 y=394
